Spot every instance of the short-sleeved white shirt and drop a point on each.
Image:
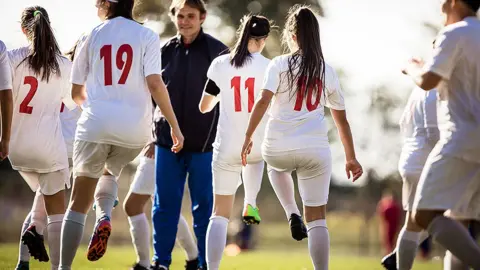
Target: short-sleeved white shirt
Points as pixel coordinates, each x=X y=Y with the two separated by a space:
x=114 y=62
x=5 y=71
x=296 y=122
x=456 y=58
x=239 y=88
x=37 y=142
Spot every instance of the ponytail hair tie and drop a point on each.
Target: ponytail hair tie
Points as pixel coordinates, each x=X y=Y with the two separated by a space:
x=36 y=12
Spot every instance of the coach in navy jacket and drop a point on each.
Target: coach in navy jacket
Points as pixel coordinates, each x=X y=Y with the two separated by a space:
x=185 y=61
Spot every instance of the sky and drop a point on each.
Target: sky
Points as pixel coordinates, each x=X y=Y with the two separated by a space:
x=368 y=40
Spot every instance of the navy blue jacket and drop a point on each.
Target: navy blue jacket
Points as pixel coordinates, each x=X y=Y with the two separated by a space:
x=185 y=74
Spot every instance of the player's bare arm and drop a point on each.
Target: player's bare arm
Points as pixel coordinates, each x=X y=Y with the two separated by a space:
x=425 y=80
x=79 y=94
x=207 y=103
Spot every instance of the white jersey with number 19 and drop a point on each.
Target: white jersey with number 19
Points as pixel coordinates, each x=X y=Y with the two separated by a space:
x=114 y=61
x=239 y=88
x=37 y=143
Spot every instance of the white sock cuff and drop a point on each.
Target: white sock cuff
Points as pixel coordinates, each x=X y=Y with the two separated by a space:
x=75 y=217
x=411 y=236
x=220 y=219
x=107 y=178
x=136 y=218
x=317 y=223
x=55 y=218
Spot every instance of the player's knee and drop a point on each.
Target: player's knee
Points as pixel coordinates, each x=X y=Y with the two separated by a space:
x=423 y=218
x=133 y=207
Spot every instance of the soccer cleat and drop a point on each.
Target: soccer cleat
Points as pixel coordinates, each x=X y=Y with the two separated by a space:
x=192 y=265
x=157 y=266
x=251 y=215
x=35 y=244
x=390 y=261
x=98 y=242
x=137 y=266
x=23 y=266
x=204 y=267
x=114 y=205
x=297 y=227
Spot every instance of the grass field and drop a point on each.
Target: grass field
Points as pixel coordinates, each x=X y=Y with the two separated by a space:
x=121 y=257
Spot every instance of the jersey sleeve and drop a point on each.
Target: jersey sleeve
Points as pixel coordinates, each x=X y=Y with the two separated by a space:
x=66 y=87
x=5 y=71
x=152 y=60
x=333 y=92
x=81 y=64
x=445 y=54
x=271 y=82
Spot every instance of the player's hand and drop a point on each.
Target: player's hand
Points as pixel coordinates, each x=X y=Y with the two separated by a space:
x=4 y=149
x=177 y=138
x=414 y=63
x=246 y=149
x=353 y=168
x=149 y=150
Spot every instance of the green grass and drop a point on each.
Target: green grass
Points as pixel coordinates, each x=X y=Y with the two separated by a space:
x=121 y=257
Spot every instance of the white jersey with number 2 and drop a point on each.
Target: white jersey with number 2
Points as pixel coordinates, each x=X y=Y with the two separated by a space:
x=37 y=143
x=239 y=88
x=113 y=62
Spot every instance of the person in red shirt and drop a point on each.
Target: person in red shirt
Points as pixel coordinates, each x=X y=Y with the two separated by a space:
x=389 y=212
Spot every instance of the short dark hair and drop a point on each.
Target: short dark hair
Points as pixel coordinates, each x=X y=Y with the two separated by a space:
x=473 y=4
x=197 y=4
x=121 y=8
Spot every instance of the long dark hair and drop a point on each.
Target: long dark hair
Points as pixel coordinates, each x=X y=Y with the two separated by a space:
x=306 y=66
x=120 y=8
x=251 y=27
x=44 y=50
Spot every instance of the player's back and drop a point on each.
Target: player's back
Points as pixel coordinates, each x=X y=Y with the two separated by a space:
x=118 y=108
x=37 y=143
x=239 y=88
x=297 y=120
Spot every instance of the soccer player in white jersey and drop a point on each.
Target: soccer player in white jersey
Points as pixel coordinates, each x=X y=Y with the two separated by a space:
x=301 y=84
x=451 y=176
x=120 y=63
x=235 y=81
x=420 y=132
x=40 y=84
x=6 y=101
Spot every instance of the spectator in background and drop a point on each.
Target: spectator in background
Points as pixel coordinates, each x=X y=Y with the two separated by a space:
x=389 y=212
x=185 y=61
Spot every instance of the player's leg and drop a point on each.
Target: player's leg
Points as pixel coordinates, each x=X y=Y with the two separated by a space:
x=252 y=176
x=314 y=173
x=89 y=160
x=450 y=262
x=199 y=166
x=226 y=179
x=446 y=180
x=170 y=174
x=187 y=242
x=141 y=191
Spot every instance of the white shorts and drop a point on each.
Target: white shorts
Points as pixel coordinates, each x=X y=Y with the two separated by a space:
x=144 y=179
x=48 y=183
x=314 y=170
x=90 y=159
x=449 y=183
x=410 y=167
x=228 y=177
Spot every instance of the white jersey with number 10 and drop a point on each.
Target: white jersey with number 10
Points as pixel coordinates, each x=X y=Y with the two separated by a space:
x=114 y=61
x=37 y=143
x=239 y=88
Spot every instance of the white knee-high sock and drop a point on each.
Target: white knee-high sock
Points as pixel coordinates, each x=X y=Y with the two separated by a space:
x=252 y=175
x=54 y=229
x=140 y=232
x=216 y=241
x=282 y=183
x=72 y=233
x=407 y=246
x=185 y=239
x=319 y=243
x=24 y=254
x=451 y=262
x=105 y=195
x=39 y=214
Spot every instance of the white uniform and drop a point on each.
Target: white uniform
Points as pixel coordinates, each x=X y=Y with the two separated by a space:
x=451 y=178
x=239 y=88
x=296 y=133
x=37 y=147
x=5 y=72
x=69 y=126
x=420 y=132
x=114 y=126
